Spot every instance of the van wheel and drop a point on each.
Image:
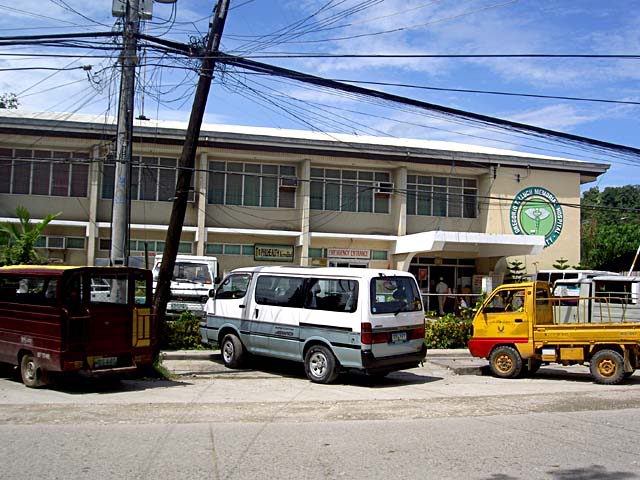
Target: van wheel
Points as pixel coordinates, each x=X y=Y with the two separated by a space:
x=321 y=365
x=607 y=367
x=32 y=375
x=233 y=352
x=505 y=362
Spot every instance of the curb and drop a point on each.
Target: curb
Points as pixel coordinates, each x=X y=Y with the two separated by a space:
x=215 y=354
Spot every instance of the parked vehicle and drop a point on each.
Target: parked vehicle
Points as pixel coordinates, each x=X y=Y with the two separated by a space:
x=328 y=318
x=516 y=331
x=193 y=278
x=550 y=276
x=610 y=298
x=63 y=319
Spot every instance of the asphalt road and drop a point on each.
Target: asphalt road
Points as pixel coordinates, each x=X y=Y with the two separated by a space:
x=270 y=422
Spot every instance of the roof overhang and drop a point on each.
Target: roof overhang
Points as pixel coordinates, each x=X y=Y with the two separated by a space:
x=472 y=243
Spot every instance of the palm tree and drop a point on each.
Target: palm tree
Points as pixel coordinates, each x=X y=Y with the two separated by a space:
x=22 y=238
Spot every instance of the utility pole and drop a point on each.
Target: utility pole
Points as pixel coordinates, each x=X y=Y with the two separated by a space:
x=120 y=212
x=186 y=163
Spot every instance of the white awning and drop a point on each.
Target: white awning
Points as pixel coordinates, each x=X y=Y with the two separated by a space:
x=473 y=243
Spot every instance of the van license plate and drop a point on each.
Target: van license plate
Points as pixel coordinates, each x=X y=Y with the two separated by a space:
x=105 y=362
x=179 y=306
x=398 y=337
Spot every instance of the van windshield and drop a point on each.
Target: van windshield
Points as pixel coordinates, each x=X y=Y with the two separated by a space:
x=188 y=272
x=394 y=294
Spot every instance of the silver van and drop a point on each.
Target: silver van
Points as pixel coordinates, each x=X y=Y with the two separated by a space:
x=330 y=319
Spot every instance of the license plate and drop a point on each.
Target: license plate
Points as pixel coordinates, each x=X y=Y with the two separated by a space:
x=179 y=306
x=398 y=337
x=105 y=362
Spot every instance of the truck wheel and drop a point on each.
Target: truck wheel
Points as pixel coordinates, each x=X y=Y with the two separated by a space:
x=233 y=352
x=321 y=365
x=607 y=367
x=32 y=375
x=505 y=362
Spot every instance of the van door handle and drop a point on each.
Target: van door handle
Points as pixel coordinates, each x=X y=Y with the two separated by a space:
x=256 y=312
x=518 y=320
x=241 y=306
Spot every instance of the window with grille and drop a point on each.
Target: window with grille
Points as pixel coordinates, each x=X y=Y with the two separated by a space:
x=250 y=185
x=441 y=196
x=44 y=172
x=348 y=190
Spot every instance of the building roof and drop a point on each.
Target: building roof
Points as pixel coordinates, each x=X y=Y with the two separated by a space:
x=237 y=136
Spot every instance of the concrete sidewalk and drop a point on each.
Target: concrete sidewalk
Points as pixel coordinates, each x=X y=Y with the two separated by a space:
x=203 y=362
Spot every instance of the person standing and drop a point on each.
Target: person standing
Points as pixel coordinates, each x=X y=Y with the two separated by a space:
x=441 y=289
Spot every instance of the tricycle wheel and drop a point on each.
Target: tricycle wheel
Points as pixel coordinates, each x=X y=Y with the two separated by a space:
x=32 y=375
x=505 y=362
x=607 y=367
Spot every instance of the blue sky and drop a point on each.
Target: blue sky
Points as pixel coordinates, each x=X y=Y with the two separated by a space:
x=261 y=27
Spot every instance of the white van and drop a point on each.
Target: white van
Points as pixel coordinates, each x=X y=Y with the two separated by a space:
x=328 y=318
x=550 y=276
x=193 y=278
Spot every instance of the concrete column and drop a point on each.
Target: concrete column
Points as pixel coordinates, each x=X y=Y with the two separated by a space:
x=399 y=201
x=402 y=261
x=94 y=190
x=202 y=165
x=304 y=207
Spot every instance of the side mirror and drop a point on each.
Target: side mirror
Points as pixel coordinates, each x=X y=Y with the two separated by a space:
x=212 y=293
x=217 y=280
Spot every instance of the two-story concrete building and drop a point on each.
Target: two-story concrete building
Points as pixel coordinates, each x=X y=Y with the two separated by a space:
x=265 y=195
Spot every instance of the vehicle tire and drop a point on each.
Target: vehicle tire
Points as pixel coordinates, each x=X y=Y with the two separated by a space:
x=32 y=375
x=233 y=351
x=505 y=362
x=321 y=365
x=607 y=367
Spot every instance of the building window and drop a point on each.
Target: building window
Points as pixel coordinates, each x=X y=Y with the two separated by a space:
x=152 y=179
x=317 y=252
x=153 y=246
x=76 y=243
x=229 y=249
x=441 y=196
x=349 y=190
x=250 y=185
x=44 y=172
x=379 y=255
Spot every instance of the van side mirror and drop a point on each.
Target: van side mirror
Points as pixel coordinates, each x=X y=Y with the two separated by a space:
x=212 y=293
x=217 y=280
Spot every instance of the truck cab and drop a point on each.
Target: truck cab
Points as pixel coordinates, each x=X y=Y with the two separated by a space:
x=519 y=327
x=193 y=278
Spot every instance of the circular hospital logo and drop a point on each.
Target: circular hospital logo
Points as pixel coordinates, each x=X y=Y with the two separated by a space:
x=536 y=211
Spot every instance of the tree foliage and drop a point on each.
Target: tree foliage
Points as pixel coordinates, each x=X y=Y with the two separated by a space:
x=561 y=264
x=609 y=237
x=22 y=237
x=516 y=272
x=9 y=100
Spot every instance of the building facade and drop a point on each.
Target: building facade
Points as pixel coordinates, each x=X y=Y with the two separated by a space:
x=261 y=195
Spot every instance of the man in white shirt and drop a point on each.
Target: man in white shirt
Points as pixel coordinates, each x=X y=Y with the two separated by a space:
x=441 y=289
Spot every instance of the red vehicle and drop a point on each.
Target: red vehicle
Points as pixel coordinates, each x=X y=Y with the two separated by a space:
x=75 y=319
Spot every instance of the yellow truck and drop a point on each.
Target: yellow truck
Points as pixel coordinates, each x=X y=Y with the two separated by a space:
x=515 y=330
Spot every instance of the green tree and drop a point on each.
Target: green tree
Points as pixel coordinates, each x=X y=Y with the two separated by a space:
x=561 y=264
x=610 y=237
x=22 y=237
x=515 y=272
x=9 y=100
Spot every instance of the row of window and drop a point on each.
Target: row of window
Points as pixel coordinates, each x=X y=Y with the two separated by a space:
x=44 y=172
x=152 y=246
x=388 y=294
x=55 y=173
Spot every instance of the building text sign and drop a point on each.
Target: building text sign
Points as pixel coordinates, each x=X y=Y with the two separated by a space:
x=273 y=253
x=354 y=253
x=536 y=211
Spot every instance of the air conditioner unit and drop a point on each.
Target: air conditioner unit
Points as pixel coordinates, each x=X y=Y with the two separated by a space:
x=383 y=188
x=289 y=183
x=55 y=243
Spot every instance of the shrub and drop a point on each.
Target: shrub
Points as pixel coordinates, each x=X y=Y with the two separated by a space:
x=182 y=333
x=448 y=331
